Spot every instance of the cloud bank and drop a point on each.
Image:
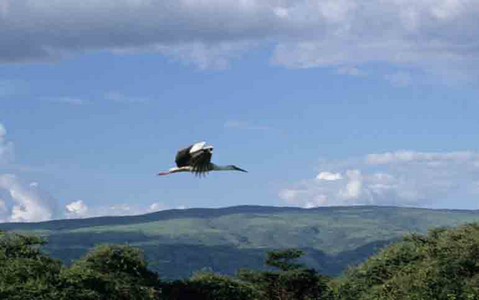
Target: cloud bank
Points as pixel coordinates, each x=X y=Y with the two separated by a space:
x=6 y=147
x=76 y=209
x=79 y=209
x=402 y=178
x=435 y=35
x=21 y=201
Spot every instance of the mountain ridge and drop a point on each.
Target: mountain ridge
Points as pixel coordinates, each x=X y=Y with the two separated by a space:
x=178 y=242
x=196 y=212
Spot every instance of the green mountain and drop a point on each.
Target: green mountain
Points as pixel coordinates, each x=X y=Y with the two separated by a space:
x=178 y=242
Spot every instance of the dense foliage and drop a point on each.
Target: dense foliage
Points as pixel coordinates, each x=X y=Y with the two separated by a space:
x=209 y=286
x=120 y=272
x=228 y=239
x=291 y=280
x=25 y=272
x=110 y=272
x=441 y=265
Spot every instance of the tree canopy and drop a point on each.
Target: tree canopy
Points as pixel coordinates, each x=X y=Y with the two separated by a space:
x=444 y=264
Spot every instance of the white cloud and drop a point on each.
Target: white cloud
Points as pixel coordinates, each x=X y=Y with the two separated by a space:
x=289 y=195
x=404 y=156
x=206 y=56
x=124 y=209
x=27 y=202
x=76 y=209
x=423 y=33
x=329 y=176
x=306 y=195
x=6 y=147
x=20 y=201
x=79 y=209
x=403 y=178
x=354 y=186
x=3 y=210
x=157 y=206
x=429 y=34
x=319 y=200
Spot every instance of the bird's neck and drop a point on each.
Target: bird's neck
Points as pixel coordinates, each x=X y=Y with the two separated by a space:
x=222 y=168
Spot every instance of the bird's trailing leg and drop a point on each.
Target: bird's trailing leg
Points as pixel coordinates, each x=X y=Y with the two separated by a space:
x=176 y=170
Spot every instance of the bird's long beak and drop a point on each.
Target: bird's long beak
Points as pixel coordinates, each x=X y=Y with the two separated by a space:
x=163 y=173
x=239 y=169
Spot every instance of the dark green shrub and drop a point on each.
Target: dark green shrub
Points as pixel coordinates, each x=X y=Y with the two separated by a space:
x=209 y=286
x=25 y=272
x=110 y=272
x=441 y=265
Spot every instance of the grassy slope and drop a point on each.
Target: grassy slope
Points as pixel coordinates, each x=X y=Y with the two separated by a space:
x=178 y=242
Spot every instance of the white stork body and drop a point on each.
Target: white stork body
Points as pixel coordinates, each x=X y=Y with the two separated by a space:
x=197 y=159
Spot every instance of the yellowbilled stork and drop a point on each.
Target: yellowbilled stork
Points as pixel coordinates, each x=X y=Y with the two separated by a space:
x=196 y=159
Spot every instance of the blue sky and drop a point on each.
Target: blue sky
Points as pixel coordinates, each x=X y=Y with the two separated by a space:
x=319 y=104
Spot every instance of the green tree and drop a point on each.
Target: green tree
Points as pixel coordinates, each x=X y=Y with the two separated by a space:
x=292 y=281
x=25 y=272
x=285 y=260
x=113 y=272
x=209 y=286
x=441 y=265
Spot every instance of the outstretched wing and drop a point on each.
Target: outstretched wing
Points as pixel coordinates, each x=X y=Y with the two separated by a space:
x=196 y=156
x=200 y=161
x=184 y=156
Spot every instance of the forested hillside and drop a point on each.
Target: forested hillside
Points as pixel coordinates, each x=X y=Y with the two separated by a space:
x=439 y=265
x=178 y=242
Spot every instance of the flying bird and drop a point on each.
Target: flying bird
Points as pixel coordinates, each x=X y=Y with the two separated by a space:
x=196 y=159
